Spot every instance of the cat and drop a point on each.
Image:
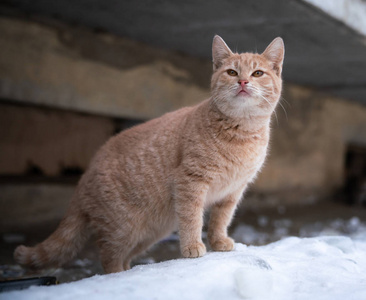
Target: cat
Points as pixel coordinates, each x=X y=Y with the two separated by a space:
x=160 y=176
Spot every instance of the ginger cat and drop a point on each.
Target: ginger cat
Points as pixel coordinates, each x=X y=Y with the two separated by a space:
x=160 y=176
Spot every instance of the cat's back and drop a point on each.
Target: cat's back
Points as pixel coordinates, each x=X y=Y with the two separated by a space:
x=144 y=146
x=154 y=132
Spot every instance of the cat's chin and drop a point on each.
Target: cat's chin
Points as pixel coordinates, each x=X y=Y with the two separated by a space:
x=240 y=106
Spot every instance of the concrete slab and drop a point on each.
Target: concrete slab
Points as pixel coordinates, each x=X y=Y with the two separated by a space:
x=320 y=50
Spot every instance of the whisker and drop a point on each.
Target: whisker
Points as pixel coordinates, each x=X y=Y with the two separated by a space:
x=283 y=107
x=273 y=108
x=260 y=93
x=284 y=100
x=279 y=102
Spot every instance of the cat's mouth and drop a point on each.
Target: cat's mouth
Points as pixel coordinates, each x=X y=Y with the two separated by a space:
x=243 y=92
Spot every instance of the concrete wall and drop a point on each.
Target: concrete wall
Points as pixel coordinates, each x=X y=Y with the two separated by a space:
x=308 y=148
x=48 y=142
x=75 y=69
x=63 y=89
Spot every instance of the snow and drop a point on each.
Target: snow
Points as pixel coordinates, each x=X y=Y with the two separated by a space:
x=262 y=234
x=323 y=267
x=350 y=12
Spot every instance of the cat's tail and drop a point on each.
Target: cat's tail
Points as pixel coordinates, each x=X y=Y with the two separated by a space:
x=60 y=247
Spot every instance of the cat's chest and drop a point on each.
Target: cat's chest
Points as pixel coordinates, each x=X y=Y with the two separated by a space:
x=237 y=172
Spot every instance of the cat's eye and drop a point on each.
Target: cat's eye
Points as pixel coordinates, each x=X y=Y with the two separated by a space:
x=232 y=72
x=257 y=73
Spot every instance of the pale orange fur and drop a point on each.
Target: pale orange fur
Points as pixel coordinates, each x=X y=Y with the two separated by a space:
x=160 y=176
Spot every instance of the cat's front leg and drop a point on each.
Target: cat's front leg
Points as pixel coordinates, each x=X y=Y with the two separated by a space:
x=189 y=209
x=220 y=218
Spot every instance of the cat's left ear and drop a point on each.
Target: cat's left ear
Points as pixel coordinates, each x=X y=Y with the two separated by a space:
x=275 y=53
x=220 y=51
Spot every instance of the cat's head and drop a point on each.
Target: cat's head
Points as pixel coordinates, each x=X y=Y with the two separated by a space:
x=246 y=84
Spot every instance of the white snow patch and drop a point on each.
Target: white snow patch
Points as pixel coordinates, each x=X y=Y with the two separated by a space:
x=330 y=267
x=281 y=228
x=350 y=12
x=254 y=283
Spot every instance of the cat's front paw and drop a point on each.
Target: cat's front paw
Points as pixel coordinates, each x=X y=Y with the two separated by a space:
x=223 y=244
x=194 y=250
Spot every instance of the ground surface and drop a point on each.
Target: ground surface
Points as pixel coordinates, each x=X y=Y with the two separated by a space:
x=253 y=227
x=322 y=268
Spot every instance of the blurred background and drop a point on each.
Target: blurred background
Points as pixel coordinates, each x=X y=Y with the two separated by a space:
x=75 y=72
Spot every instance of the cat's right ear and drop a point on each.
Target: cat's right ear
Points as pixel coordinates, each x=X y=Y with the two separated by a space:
x=220 y=51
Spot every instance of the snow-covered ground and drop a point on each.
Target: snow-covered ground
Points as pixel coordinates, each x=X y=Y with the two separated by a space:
x=268 y=231
x=326 y=266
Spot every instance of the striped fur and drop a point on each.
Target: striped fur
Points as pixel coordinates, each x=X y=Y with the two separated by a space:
x=160 y=176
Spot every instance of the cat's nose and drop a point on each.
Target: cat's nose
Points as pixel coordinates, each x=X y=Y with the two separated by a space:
x=243 y=82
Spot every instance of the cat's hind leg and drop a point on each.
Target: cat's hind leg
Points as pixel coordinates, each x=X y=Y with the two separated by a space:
x=139 y=249
x=148 y=238
x=113 y=257
x=114 y=249
x=117 y=249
